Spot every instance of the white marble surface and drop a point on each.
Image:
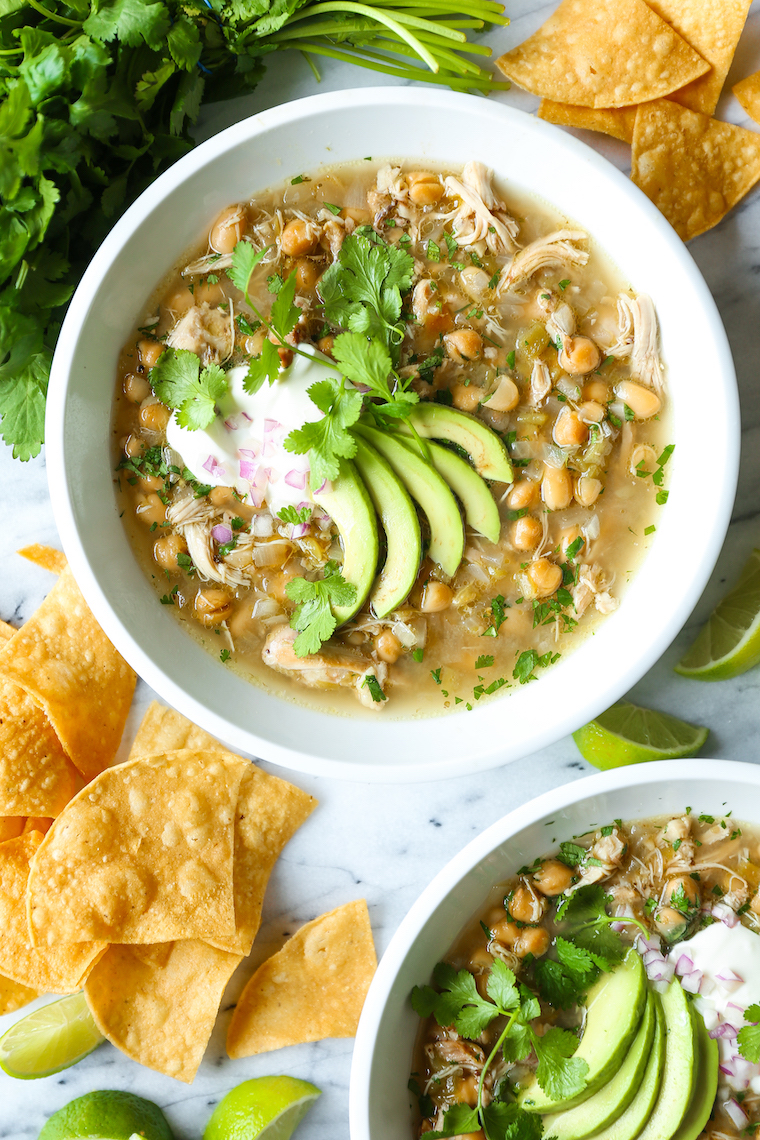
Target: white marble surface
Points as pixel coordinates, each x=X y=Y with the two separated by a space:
x=386 y=843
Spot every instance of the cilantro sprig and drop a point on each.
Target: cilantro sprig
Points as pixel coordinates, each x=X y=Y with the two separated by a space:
x=584 y=918
x=362 y=289
x=749 y=1035
x=457 y=1002
x=180 y=383
x=313 y=618
x=283 y=316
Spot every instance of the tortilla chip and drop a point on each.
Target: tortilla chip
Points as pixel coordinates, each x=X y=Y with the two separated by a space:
x=612 y=53
x=55 y=969
x=142 y=854
x=314 y=987
x=45 y=556
x=712 y=28
x=269 y=812
x=37 y=823
x=6 y=631
x=615 y=121
x=13 y=996
x=160 y=1008
x=36 y=776
x=747 y=91
x=65 y=662
x=694 y=169
x=11 y=826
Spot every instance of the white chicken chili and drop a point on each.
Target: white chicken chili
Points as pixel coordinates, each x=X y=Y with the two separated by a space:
x=388 y=441
x=610 y=989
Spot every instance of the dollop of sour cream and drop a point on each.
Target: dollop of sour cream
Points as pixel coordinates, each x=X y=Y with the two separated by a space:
x=244 y=445
x=729 y=960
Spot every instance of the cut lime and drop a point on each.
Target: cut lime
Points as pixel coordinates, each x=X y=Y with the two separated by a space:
x=268 y=1108
x=628 y=734
x=730 y=642
x=107 y=1115
x=49 y=1039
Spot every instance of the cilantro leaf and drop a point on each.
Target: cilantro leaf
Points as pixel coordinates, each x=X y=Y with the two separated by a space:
x=584 y=915
x=284 y=315
x=517 y=1045
x=501 y=986
x=361 y=290
x=179 y=383
x=375 y=689
x=749 y=1035
x=130 y=21
x=293 y=515
x=559 y=1074
x=510 y=1122
x=265 y=366
x=244 y=260
x=327 y=440
x=458 y=1121
x=563 y=983
x=313 y=617
x=460 y=1004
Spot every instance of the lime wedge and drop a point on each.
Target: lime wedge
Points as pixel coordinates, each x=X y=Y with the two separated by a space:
x=268 y=1108
x=49 y=1039
x=628 y=734
x=107 y=1115
x=730 y=642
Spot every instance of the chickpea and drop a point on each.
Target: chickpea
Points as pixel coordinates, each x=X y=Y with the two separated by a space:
x=579 y=355
x=228 y=229
x=526 y=533
x=307 y=274
x=481 y=958
x=133 y=446
x=556 y=488
x=150 y=509
x=212 y=606
x=325 y=344
x=210 y=292
x=642 y=401
x=505 y=397
x=275 y=586
x=154 y=417
x=242 y=623
x=467 y=1090
x=596 y=390
x=298 y=238
x=166 y=548
x=522 y=494
x=436 y=596
x=567 y=538
x=479 y=1135
x=223 y=497
x=525 y=907
x=357 y=215
x=682 y=886
x=466 y=397
x=151 y=483
x=669 y=923
x=388 y=647
x=149 y=352
x=424 y=189
x=533 y=940
x=136 y=388
x=591 y=411
x=506 y=932
x=463 y=345
x=587 y=490
x=179 y=301
x=569 y=429
x=545 y=577
x=552 y=878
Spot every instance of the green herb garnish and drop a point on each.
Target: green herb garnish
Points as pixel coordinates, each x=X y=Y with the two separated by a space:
x=313 y=617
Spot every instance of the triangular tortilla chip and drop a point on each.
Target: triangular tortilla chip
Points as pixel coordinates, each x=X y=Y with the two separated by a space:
x=693 y=168
x=13 y=996
x=747 y=91
x=615 y=121
x=6 y=631
x=36 y=776
x=269 y=812
x=47 y=557
x=712 y=28
x=143 y=854
x=314 y=987
x=610 y=53
x=67 y=665
x=11 y=826
x=158 y=1004
x=56 y=969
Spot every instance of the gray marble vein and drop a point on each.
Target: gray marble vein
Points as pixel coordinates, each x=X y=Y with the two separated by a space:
x=386 y=843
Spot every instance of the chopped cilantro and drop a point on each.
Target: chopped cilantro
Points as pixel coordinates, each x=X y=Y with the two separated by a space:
x=436 y=675
x=225 y=655
x=371 y=682
x=564 y=284
x=661 y=498
x=451 y=245
x=332 y=208
x=313 y=617
x=237 y=524
x=299 y=178
x=485 y=661
x=433 y=251
x=245 y=326
x=499 y=609
x=649 y=530
x=511 y=358
x=584 y=915
x=294 y=515
x=529 y=660
x=707 y=819
x=494 y=280
x=475 y=259
x=418 y=654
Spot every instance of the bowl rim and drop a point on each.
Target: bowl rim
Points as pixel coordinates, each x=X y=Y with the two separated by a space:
x=491 y=752
x=478 y=849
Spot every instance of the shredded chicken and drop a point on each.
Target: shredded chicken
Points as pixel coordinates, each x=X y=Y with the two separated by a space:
x=464 y=1054
x=207 y=332
x=188 y=510
x=330 y=668
x=201 y=550
x=609 y=851
x=481 y=216
x=554 y=249
x=593 y=586
x=638 y=338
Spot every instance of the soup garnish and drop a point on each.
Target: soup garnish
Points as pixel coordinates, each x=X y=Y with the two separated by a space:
x=610 y=989
x=379 y=416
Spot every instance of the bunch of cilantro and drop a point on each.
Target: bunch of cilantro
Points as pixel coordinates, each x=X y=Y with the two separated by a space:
x=98 y=96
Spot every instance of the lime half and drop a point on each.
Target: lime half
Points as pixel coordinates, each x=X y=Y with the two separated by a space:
x=268 y=1108
x=107 y=1115
x=628 y=734
x=49 y=1039
x=730 y=642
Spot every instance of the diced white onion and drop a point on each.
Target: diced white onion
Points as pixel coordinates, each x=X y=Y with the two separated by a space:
x=736 y=1113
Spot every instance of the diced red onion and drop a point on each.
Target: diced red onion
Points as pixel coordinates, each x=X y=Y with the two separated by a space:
x=249 y=452
x=684 y=965
x=256 y=497
x=660 y=971
x=274 y=475
x=709 y=1015
x=734 y=1015
x=736 y=1113
x=744 y=1070
x=725 y=1029
x=652 y=956
x=221 y=533
x=296 y=479
x=362 y=388
x=643 y=944
x=231 y=423
x=247 y=417
x=271 y=425
x=729 y=981
x=215 y=469
x=724 y=913
x=247 y=470
x=690 y=982
x=618 y=926
x=304 y=504
x=300 y=529
x=269 y=449
x=325 y=489
x=727 y=1069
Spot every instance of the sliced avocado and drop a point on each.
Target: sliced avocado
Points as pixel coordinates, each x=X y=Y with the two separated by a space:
x=629 y=1125
x=480 y=509
x=614 y=1009
x=612 y=1099
x=485 y=449
x=680 y=1070
x=401 y=526
x=428 y=488
x=349 y=506
x=706 y=1085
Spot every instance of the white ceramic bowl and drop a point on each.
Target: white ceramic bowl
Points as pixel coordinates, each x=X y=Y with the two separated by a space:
x=420 y=124
x=379 y=1103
